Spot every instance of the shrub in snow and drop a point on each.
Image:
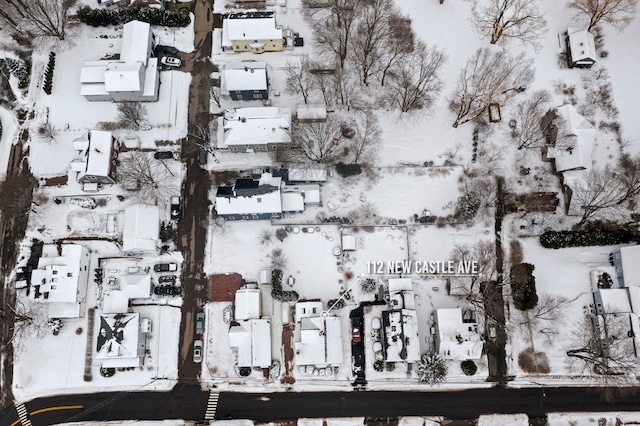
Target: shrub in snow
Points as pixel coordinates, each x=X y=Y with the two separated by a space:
x=48 y=74
x=339 y=303
x=369 y=285
x=432 y=369
x=84 y=202
x=274 y=369
x=346 y=170
x=523 y=286
x=281 y=234
x=467 y=207
x=276 y=288
x=468 y=367
x=378 y=365
x=21 y=69
x=533 y=362
x=390 y=366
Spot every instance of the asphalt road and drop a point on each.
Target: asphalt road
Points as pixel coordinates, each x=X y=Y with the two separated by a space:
x=189 y=403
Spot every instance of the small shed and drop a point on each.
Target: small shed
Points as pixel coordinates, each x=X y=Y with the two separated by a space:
x=348 y=243
x=265 y=276
x=311 y=113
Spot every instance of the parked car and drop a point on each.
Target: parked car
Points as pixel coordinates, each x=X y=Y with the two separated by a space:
x=492 y=331
x=163 y=155
x=197 y=351
x=166 y=290
x=164 y=279
x=200 y=323
x=356 y=337
x=165 y=50
x=171 y=61
x=176 y=209
x=165 y=267
x=203 y=157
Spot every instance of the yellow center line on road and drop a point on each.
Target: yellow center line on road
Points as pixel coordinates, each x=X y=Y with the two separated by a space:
x=45 y=410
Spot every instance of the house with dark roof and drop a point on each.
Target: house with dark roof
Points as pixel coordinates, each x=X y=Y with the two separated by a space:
x=246 y=81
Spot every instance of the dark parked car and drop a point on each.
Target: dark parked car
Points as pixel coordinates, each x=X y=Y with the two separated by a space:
x=163 y=155
x=203 y=157
x=167 y=279
x=165 y=267
x=176 y=209
x=166 y=290
x=164 y=50
x=200 y=323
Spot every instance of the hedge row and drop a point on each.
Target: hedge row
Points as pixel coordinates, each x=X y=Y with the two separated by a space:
x=277 y=292
x=48 y=74
x=588 y=237
x=106 y=17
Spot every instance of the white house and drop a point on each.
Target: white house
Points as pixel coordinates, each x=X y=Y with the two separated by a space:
x=141 y=234
x=581 y=48
x=248 y=304
x=320 y=342
x=133 y=77
x=122 y=281
x=251 y=340
x=258 y=129
x=348 y=242
x=98 y=152
x=60 y=281
x=626 y=262
x=121 y=340
x=246 y=81
x=457 y=337
x=257 y=199
x=571 y=155
x=400 y=324
x=255 y=32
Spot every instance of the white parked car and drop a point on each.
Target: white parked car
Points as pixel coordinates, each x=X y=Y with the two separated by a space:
x=171 y=61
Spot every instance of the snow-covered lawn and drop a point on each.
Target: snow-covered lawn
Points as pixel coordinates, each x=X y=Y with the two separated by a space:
x=9 y=127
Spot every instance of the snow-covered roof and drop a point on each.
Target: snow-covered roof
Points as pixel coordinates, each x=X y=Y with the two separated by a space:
x=93 y=73
x=630 y=259
x=117 y=340
x=136 y=286
x=115 y=302
x=320 y=341
x=141 y=229
x=577 y=156
x=136 y=37
x=247 y=304
x=348 y=242
x=253 y=26
x=123 y=77
x=311 y=308
x=255 y=204
x=400 y=284
x=307 y=175
x=256 y=126
x=582 y=45
x=252 y=340
x=456 y=339
x=401 y=335
x=292 y=202
x=62 y=276
x=310 y=192
x=311 y=112
x=612 y=301
x=245 y=76
x=151 y=78
x=99 y=154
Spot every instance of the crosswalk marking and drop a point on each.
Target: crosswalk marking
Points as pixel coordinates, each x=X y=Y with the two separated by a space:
x=22 y=413
x=212 y=405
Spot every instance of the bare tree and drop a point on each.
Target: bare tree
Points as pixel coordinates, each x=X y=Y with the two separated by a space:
x=324 y=83
x=215 y=92
x=545 y=318
x=432 y=369
x=366 y=143
x=617 y=13
x=29 y=320
x=299 y=79
x=131 y=115
x=509 y=19
x=47 y=132
x=414 y=82
x=150 y=180
x=628 y=173
x=369 y=39
x=598 y=194
x=320 y=142
x=36 y=18
x=346 y=91
x=526 y=132
x=333 y=26
x=399 y=42
x=489 y=77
